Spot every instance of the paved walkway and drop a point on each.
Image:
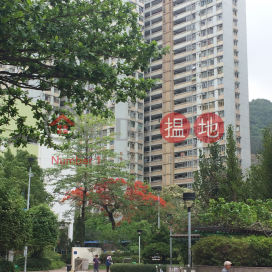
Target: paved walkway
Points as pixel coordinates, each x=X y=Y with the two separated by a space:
x=64 y=269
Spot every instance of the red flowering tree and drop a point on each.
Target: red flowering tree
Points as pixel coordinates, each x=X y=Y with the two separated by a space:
x=117 y=198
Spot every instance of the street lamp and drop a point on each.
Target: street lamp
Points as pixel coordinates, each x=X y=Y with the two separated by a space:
x=159 y=189
x=30 y=160
x=139 y=232
x=170 y=215
x=188 y=199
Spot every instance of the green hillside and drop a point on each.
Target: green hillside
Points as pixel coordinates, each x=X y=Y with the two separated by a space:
x=260 y=111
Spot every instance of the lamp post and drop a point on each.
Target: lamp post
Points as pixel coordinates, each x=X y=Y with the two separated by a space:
x=139 y=232
x=188 y=199
x=159 y=189
x=30 y=160
x=170 y=215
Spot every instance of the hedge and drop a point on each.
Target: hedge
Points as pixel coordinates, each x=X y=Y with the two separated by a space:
x=6 y=266
x=34 y=264
x=135 y=268
x=160 y=262
x=253 y=251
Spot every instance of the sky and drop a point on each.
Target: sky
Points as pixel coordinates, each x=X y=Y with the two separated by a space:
x=259 y=44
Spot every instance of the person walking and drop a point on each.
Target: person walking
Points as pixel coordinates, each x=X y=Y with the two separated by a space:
x=227 y=266
x=108 y=263
x=96 y=262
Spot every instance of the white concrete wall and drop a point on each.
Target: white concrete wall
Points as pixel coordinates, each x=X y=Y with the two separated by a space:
x=84 y=252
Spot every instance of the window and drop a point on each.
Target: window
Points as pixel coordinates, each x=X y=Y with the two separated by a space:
x=238 y=118
x=220 y=80
x=211 y=94
x=204 y=53
x=220 y=59
x=220 y=91
x=209 y=1
x=220 y=38
x=219 y=6
x=237 y=128
x=237 y=106
x=204 y=84
x=211 y=83
x=235 y=22
x=234 y=2
x=219 y=17
x=204 y=74
x=203 y=22
x=236 y=53
x=220 y=48
x=235 y=42
x=209 y=10
x=211 y=62
x=219 y=27
x=235 y=32
x=132 y=114
x=220 y=103
x=235 y=12
x=211 y=72
x=203 y=12
x=203 y=32
x=236 y=63
x=205 y=106
x=140 y=146
x=204 y=63
x=203 y=3
x=210 y=41
x=140 y=157
x=220 y=70
x=210 y=51
x=203 y=43
x=210 y=20
x=236 y=74
x=236 y=85
x=140 y=105
x=210 y=30
x=140 y=167
x=132 y=124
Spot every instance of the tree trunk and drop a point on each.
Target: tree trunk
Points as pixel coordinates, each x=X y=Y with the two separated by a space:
x=110 y=214
x=83 y=208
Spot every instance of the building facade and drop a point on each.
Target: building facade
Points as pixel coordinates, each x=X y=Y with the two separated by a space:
x=206 y=71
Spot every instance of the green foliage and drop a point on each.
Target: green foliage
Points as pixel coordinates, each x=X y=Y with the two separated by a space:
x=6 y=266
x=55 y=258
x=34 y=264
x=64 y=45
x=15 y=226
x=260 y=111
x=247 y=251
x=207 y=178
x=251 y=215
x=260 y=175
x=135 y=268
x=218 y=178
x=44 y=230
x=16 y=170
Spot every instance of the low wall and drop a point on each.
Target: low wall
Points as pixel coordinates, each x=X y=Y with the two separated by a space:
x=85 y=252
x=207 y=268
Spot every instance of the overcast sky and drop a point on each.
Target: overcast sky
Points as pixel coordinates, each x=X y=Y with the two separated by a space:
x=259 y=38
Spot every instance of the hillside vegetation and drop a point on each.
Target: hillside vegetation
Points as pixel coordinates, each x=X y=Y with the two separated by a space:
x=260 y=111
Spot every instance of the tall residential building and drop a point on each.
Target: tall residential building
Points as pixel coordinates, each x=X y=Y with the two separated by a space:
x=205 y=72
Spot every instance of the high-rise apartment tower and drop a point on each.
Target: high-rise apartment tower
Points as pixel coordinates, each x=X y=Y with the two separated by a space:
x=206 y=71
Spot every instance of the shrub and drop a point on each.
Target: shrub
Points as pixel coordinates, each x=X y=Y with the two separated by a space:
x=246 y=251
x=34 y=264
x=160 y=262
x=135 y=268
x=6 y=266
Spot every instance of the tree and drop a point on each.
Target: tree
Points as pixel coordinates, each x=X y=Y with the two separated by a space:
x=220 y=176
x=232 y=184
x=97 y=176
x=207 y=178
x=16 y=170
x=15 y=227
x=44 y=229
x=63 y=45
x=260 y=175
